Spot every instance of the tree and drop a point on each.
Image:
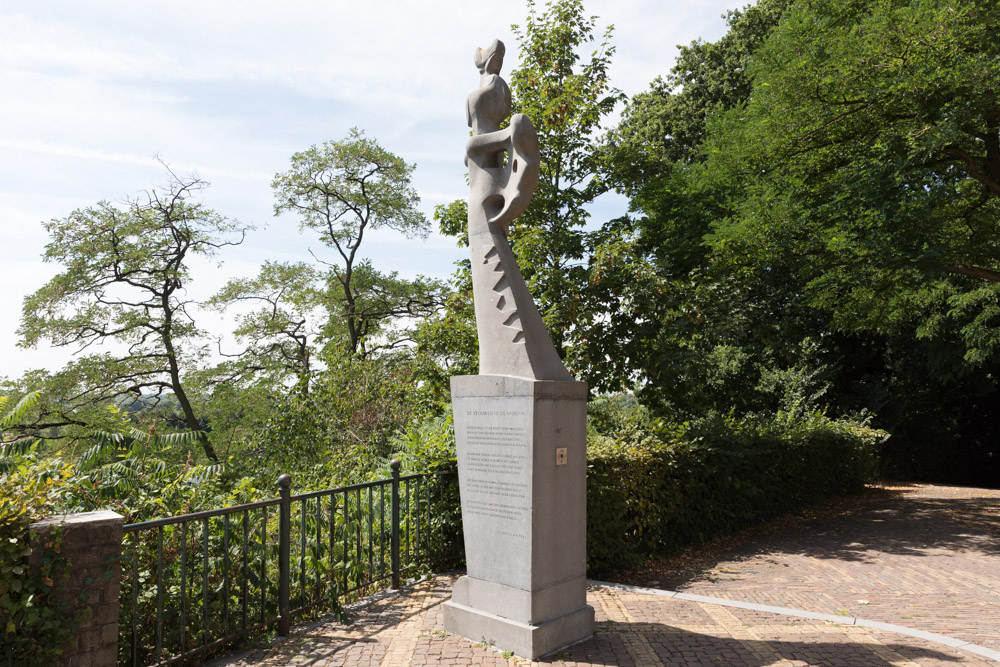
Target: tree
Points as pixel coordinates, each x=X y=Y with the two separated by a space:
x=875 y=129
x=123 y=283
x=663 y=321
x=566 y=96
x=342 y=190
x=866 y=163
x=280 y=334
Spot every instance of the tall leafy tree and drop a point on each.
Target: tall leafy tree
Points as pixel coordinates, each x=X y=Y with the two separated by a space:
x=123 y=286
x=866 y=166
x=566 y=94
x=663 y=321
x=875 y=134
x=343 y=190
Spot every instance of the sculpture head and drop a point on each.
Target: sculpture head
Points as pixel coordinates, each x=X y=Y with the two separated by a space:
x=490 y=60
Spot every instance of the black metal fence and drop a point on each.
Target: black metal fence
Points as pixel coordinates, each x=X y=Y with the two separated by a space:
x=197 y=582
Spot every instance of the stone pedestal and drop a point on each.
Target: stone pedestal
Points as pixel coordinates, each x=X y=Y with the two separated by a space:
x=522 y=477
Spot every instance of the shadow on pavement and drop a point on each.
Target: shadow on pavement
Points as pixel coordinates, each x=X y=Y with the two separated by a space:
x=892 y=523
x=643 y=644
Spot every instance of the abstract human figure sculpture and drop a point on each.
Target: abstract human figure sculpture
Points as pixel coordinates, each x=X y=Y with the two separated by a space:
x=503 y=172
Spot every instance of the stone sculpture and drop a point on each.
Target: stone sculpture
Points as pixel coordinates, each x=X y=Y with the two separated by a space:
x=503 y=173
x=520 y=425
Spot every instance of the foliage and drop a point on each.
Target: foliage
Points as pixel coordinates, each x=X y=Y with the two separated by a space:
x=655 y=487
x=344 y=190
x=123 y=282
x=343 y=429
x=447 y=343
x=666 y=125
x=566 y=95
x=660 y=310
x=33 y=621
x=15 y=445
x=801 y=203
x=868 y=156
x=428 y=446
x=860 y=172
x=654 y=492
x=279 y=335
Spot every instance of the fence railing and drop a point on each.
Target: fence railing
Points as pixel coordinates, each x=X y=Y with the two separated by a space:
x=197 y=582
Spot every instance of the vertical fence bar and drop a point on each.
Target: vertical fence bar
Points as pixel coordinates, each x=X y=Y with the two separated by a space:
x=135 y=597
x=333 y=538
x=371 y=549
x=381 y=530
x=394 y=467
x=225 y=575
x=204 y=583
x=302 y=552
x=319 y=545
x=184 y=539
x=345 y=552
x=408 y=529
x=357 y=544
x=263 y=564
x=159 y=593
x=428 y=534
x=244 y=589
x=416 y=551
x=284 y=537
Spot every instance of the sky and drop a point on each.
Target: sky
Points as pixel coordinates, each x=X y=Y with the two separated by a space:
x=96 y=92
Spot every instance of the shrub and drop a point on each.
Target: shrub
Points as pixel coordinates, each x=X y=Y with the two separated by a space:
x=655 y=488
x=657 y=493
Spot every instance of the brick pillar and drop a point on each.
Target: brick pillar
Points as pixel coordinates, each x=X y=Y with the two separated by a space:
x=92 y=542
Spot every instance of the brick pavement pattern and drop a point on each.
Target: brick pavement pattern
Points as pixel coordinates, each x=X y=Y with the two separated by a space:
x=634 y=629
x=920 y=556
x=925 y=557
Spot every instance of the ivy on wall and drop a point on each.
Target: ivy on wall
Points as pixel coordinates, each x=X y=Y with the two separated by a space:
x=34 y=622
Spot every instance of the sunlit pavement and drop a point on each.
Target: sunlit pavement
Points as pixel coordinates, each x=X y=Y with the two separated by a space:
x=910 y=578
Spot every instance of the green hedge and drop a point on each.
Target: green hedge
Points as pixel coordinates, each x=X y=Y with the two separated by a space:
x=653 y=490
x=651 y=494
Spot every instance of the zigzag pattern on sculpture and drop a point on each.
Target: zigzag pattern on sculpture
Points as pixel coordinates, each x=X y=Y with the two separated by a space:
x=502 y=287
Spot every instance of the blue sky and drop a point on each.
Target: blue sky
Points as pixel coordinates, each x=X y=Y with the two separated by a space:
x=94 y=90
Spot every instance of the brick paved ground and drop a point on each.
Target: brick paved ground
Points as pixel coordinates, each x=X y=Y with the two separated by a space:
x=921 y=556
x=634 y=630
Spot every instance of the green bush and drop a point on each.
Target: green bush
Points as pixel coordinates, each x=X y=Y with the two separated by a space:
x=655 y=493
x=428 y=446
x=655 y=488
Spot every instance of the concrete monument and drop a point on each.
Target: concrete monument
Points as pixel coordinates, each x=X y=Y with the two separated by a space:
x=520 y=425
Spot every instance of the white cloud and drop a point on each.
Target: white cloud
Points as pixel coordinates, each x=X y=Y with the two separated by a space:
x=92 y=91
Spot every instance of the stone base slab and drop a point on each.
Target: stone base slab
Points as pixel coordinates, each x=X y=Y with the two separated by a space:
x=523 y=639
x=529 y=607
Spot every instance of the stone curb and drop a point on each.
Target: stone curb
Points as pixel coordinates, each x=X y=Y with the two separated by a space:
x=785 y=611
